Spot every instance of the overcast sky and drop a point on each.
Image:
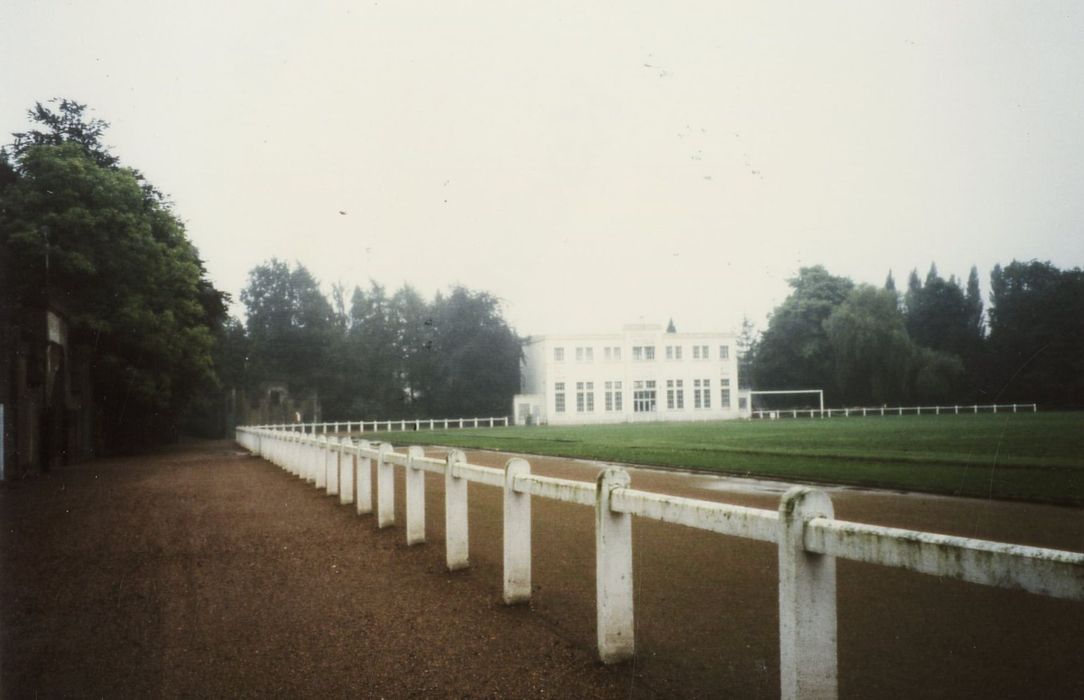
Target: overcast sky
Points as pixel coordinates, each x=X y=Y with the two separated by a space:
x=590 y=163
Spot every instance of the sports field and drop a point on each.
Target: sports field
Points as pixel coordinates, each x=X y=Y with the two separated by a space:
x=1028 y=456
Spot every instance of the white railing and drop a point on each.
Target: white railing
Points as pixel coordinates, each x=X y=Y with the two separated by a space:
x=375 y=426
x=808 y=536
x=895 y=411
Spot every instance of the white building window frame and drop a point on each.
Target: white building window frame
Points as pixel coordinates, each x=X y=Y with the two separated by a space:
x=644 y=396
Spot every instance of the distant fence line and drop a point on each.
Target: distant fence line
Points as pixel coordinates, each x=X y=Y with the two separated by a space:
x=893 y=411
x=402 y=425
x=808 y=536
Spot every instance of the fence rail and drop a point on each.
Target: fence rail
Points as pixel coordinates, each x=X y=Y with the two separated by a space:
x=894 y=411
x=808 y=537
x=375 y=426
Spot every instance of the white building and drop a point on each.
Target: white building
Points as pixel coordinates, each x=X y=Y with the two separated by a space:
x=639 y=374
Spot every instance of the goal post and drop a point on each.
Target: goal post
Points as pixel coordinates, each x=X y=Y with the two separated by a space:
x=818 y=392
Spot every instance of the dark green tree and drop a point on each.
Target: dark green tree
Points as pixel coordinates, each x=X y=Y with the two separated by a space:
x=477 y=355
x=871 y=350
x=375 y=356
x=415 y=335
x=976 y=330
x=82 y=232
x=794 y=352
x=68 y=123
x=291 y=327
x=1036 y=337
x=938 y=315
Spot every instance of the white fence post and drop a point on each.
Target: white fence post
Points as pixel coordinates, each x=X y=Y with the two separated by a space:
x=414 y=477
x=613 y=571
x=807 y=601
x=517 y=535
x=309 y=470
x=385 y=488
x=364 y=479
x=334 y=460
x=456 y=528
x=321 y=461
x=348 y=459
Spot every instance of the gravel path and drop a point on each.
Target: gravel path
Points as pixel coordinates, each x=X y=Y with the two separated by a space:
x=200 y=571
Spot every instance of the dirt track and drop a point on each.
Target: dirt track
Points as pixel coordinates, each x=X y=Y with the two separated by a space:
x=203 y=572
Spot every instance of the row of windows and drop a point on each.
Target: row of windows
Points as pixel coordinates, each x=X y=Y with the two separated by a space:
x=612 y=353
x=643 y=395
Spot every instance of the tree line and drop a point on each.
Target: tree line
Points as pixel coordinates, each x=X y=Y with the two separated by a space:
x=371 y=355
x=82 y=233
x=930 y=343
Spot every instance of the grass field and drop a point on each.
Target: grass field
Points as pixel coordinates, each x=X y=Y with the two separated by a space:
x=1029 y=456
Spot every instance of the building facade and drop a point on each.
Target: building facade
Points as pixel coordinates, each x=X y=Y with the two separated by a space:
x=640 y=374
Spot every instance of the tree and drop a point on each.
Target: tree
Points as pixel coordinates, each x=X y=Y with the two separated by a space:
x=85 y=233
x=939 y=316
x=477 y=355
x=973 y=301
x=934 y=376
x=794 y=352
x=747 y=353
x=871 y=350
x=290 y=326
x=1037 y=334
x=415 y=336
x=375 y=360
x=68 y=124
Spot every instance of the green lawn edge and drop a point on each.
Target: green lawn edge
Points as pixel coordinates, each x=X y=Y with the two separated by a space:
x=1033 y=457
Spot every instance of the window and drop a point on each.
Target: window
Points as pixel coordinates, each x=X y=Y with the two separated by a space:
x=559 y=397
x=700 y=352
x=558 y=354
x=613 y=396
x=673 y=352
x=607 y=353
x=675 y=395
x=643 y=352
x=643 y=396
x=724 y=393
x=701 y=393
x=649 y=352
x=617 y=354
x=585 y=354
x=585 y=397
x=724 y=352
